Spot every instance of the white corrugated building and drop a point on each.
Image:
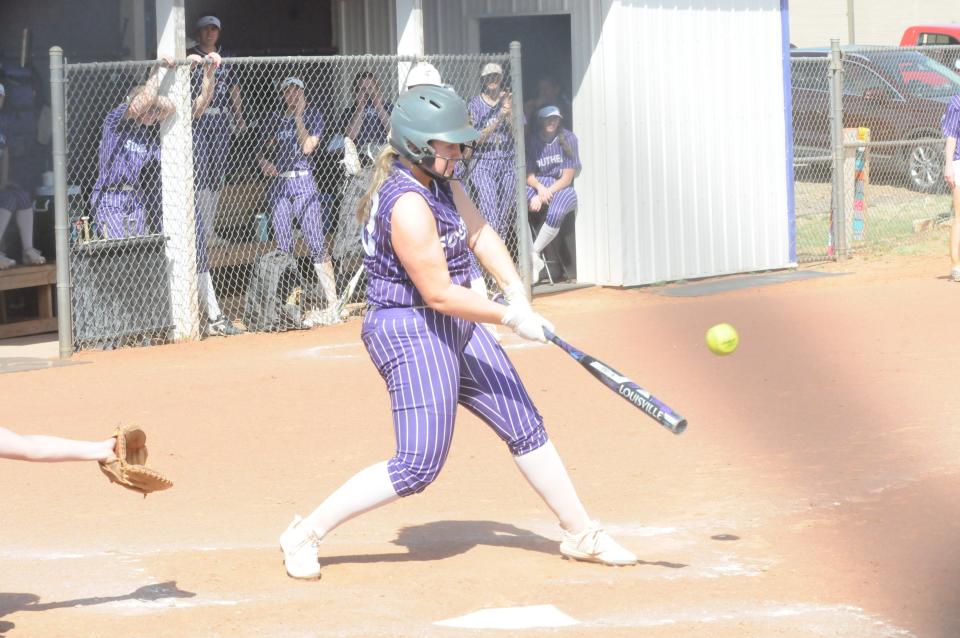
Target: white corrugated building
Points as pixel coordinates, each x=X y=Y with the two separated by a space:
x=682 y=111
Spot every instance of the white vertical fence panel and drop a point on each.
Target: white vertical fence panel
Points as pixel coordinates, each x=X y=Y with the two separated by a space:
x=683 y=148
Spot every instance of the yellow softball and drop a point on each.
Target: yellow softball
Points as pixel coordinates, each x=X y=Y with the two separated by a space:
x=722 y=339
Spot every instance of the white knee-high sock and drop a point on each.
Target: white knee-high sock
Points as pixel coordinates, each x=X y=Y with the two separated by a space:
x=5 y=216
x=545 y=472
x=546 y=235
x=207 y=205
x=366 y=490
x=328 y=283
x=208 y=296
x=25 y=224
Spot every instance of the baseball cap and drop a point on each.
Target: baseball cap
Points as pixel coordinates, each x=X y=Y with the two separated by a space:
x=549 y=111
x=490 y=68
x=291 y=81
x=423 y=73
x=206 y=21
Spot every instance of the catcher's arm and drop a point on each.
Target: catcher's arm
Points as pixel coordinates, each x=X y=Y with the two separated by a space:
x=52 y=449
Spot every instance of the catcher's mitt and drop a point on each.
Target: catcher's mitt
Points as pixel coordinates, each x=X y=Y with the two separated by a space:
x=129 y=469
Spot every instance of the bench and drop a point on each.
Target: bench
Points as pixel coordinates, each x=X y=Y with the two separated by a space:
x=42 y=280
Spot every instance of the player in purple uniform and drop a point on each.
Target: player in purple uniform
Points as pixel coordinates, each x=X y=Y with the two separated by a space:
x=291 y=138
x=552 y=163
x=130 y=139
x=14 y=202
x=425 y=74
x=951 y=169
x=212 y=128
x=421 y=333
x=493 y=175
x=211 y=147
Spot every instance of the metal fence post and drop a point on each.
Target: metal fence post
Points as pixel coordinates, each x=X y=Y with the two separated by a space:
x=838 y=227
x=524 y=242
x=61 y=221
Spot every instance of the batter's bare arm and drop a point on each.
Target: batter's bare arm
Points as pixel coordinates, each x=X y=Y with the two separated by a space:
x=417 y=244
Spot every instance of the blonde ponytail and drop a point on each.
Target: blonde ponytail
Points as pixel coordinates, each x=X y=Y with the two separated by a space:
x=381 y=170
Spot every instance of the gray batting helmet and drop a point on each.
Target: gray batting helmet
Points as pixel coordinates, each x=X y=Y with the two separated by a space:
x=427 y=113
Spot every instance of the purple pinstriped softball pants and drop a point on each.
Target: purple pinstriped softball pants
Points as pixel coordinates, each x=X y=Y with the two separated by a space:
x=122 y=214
x=561 y=204
x=119 y=213
x=298 y=197
x=431 y=362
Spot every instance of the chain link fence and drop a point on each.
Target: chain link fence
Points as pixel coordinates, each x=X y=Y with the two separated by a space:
x=868 y=147
x=212 y=200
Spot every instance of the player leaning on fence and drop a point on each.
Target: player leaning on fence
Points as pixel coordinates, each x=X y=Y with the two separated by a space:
x=130 y=139
x=211 y=147
x=212 y=128
x=421 y=333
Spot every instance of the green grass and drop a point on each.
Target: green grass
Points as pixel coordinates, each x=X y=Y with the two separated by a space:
x=891 y=212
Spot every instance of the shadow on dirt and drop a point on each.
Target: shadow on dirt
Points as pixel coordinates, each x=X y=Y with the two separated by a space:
x=11 y=603
x=444 y=539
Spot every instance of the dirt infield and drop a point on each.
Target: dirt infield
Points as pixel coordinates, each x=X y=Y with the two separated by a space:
x=814 y=493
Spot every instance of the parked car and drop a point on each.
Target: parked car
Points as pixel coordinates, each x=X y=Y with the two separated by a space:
x=935 y=35
x=899 y=95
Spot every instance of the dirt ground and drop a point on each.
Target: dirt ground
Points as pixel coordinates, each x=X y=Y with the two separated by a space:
x=815 y=492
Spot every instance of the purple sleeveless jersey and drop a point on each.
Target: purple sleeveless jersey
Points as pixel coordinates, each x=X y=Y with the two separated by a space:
x=547 y=159
x=287 y=155
x=499 y=144
x=389 y=285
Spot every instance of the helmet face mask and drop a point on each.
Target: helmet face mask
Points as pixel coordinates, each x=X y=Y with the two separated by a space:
x=431 y=113
x=462 y=165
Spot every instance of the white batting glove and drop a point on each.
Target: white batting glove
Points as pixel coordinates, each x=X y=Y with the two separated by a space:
x=526 y=323
x=516 y=294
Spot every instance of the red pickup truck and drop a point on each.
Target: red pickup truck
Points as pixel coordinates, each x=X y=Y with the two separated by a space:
x=935 y=35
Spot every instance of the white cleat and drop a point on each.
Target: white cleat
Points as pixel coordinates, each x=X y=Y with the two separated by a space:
x=326 y=317
x=299 y=546
x=32 y=257
x=596 y=546
x=536 y=266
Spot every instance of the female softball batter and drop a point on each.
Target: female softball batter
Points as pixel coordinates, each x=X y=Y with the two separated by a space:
x=421 y=333
x=552 y=163
x=291 y=138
